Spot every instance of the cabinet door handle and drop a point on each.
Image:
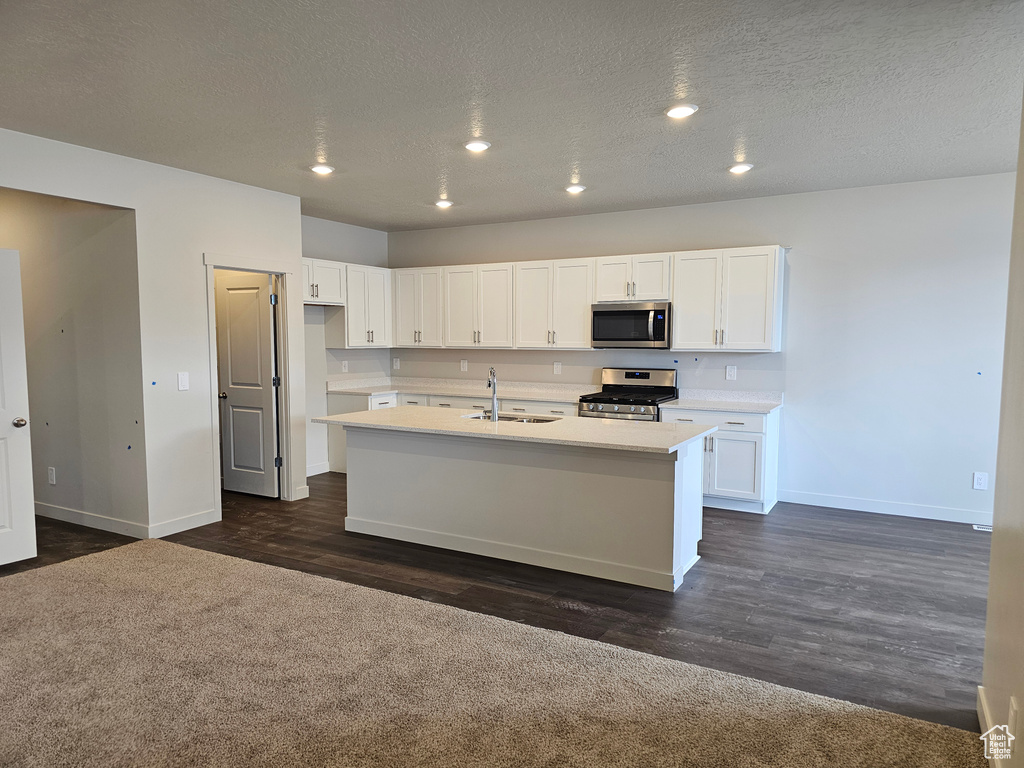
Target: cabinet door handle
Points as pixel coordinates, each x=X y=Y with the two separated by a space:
x=712 y=441
x=554 y=337
x=549 y=337
x=705 y=443
x=634 y=290
x=627 y=289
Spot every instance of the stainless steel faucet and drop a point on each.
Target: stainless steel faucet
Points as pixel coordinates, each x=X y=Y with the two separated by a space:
x=492 y=384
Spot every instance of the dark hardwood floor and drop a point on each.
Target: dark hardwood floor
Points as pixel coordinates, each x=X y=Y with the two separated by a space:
x=883 y=611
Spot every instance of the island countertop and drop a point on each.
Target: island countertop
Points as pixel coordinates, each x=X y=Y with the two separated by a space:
x=622 y=435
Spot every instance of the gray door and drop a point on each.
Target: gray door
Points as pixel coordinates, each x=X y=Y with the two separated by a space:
x=246 y=371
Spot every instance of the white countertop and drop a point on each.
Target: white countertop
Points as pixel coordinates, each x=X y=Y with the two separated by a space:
x=622 y=435
x=734 y=401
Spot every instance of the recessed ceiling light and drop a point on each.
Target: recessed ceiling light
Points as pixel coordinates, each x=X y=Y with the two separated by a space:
x=477 y=145
x=681 y=110
x=443 y=203
x=322 y=169
x=740 y=168
x=575 y=189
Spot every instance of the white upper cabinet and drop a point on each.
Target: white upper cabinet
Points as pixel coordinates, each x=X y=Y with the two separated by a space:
x=728 y=299
x=368 y=314
x=417 y=301
x=751 y=299
x=323 y=282
x=643 y=277
x=696 y=296
x=478 y=306
x=553 y=300
x=534 y=289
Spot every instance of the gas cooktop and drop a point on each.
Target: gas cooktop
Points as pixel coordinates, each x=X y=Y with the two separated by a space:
x=628 y=393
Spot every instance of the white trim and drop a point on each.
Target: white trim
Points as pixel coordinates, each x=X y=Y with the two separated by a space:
x=92 y=520
x=986 y=722
x=545 y=559
x=736 y=505
x=903 y=509
x=179 y=524
x=302 y=492
x=317 y=469
x=211 y=321
x=244 y=263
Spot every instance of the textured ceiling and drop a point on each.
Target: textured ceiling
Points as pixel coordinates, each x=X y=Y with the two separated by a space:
x=817 y=94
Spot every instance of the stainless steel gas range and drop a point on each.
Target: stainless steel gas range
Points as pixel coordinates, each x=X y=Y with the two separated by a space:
x=630 y=393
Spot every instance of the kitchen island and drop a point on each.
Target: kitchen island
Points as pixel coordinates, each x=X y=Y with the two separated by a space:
x=614 y=499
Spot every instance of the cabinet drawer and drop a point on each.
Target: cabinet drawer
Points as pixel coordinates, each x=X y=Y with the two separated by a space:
x=439 y=401
x=540 y=408
x=413 y=400
x=383 y=401
x=737 y=422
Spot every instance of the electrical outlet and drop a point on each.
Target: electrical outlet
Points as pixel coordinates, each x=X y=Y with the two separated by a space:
x=730 y=373
x=981 y=481
x=182 y=382
x=558 y=368
x=396 y=363
x=51 y=475
x=344 y=366
x=463 y=365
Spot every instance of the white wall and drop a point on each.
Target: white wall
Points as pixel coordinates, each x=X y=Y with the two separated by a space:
x=181 y=216
x=1004 y=633
x=893 y=329
x=330 y=240
x=84 y=353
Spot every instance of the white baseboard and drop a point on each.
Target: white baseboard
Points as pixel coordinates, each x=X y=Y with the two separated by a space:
x=92 y=520
x=317 y=469
x=736 y=505
x=949 y=514
x=986 y=722
x=302 y=492
x=179 y=524
x=519 y=554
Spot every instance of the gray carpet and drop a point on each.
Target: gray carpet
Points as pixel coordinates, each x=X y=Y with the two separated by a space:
x=155 y=654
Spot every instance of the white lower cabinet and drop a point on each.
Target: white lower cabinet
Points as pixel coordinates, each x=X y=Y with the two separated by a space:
x=413 y=400
x=343 y=402
x=741 y=459
x=537 y=408
x=476 y=403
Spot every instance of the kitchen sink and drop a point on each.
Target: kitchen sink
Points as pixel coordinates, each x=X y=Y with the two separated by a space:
x=486 y=416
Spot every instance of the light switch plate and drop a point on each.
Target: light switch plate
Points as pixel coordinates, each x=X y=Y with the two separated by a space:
x=981 y=481
x=182 y=382
x=51 y=475
x=730 y=373
x=463 y=365
x=396 y=363
x=344 y=366
x=558 y=368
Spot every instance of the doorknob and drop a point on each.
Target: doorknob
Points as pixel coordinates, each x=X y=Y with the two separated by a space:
x=19 y=423
x=223 y=395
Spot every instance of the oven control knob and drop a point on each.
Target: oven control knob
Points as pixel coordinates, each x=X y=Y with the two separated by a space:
x=643 y=409
x=632 y=409
x=600 y=407
x=615 y=407
x=591 y=406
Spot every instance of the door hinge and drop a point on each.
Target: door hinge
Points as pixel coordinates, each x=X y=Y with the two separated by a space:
x=278 y=462
x=273 y=298
x=276 y=381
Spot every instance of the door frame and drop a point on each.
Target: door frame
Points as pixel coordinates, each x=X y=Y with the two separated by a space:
x=290 y=363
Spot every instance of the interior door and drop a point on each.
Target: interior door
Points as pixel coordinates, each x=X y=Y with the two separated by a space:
x=571 y=302
x=17 y=498
x=533 y=305
x=495 y=305
x=748 y=298
x=406 y=308
x=356 y=322
x=246 y=370
x=695 y=300
x=460 y=306
x=612 y=280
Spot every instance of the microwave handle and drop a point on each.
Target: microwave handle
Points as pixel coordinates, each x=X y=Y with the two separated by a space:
x=650 y=326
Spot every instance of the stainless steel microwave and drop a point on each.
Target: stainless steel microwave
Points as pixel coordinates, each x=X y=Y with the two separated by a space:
x=634 y=325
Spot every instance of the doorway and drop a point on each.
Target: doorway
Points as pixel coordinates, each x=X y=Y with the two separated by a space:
x=248 y=328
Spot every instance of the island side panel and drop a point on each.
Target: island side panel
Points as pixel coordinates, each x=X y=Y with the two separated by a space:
x=689 y=508
x=606 y=513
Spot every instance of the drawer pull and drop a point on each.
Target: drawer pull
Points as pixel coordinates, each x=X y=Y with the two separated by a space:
x=412 y=402
x=736 y=423
x=444 y=405
x=481 y=407
x=518 y=409
x=558 y=411
x=384 y=402
x=684 y=419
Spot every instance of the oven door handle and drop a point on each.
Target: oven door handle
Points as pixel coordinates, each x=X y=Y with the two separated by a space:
x=650 y=326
